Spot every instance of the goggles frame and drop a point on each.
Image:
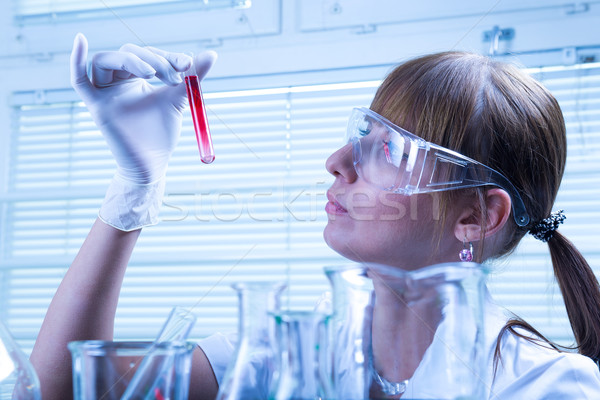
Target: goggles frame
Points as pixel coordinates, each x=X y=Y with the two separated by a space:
x=422 y=167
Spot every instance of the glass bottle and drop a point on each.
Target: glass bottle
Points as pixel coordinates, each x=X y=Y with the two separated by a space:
x=303 y=371
x=414 y=334
x=249 y=373
x=18 y=379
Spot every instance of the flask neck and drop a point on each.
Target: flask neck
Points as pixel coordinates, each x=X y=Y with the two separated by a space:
x=256 y=301
x=243 y=380
x=304 y=370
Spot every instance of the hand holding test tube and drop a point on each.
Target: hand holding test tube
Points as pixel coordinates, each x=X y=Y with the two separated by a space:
x=192 y=84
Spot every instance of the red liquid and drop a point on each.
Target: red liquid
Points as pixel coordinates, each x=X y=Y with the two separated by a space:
x=158 y=394
x=207 y=154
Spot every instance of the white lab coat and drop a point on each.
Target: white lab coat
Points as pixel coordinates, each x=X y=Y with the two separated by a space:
x=527 y=371
x=532 y=371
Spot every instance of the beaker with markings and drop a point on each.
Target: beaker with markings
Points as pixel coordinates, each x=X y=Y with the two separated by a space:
x=415 y=334
x=103 y=369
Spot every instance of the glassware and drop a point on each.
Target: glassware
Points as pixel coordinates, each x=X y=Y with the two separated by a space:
x=146 y=378
x=416 y=334
x=18 y=379
x=303 y=370
x=249 y=373
x=103 y=370
x=198 y=110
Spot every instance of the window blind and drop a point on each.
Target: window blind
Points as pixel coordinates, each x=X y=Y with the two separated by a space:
x=255 y=213
x=28 y=11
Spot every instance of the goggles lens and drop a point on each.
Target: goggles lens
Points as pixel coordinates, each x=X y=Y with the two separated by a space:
x=394 y=159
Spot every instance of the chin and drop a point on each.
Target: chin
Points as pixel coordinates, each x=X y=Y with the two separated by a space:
x=327 y=236
x=339 y=242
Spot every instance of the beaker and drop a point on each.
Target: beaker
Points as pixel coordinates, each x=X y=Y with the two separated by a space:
x=103 y=369
x=175 y=330
x=303 y=370
x=248 y=375
x=415 y=334
x=18 y=379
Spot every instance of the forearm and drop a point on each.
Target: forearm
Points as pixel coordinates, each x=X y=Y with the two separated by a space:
x=83 y=307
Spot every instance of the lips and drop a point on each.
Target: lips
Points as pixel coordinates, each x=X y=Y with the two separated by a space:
x=333 y=207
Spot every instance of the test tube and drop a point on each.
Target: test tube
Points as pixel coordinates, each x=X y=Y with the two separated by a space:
x=194 y=93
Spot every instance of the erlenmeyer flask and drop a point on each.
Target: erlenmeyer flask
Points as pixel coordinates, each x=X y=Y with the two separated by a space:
x=416 y=334
x=18 y=379
x=249 y=373
x=303 y=371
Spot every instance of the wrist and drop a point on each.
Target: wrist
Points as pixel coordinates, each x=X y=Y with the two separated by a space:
x=139 y=178
x=129 y=206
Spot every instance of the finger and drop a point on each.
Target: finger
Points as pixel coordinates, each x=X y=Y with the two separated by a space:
x=121 y=75
x=203 y=62
x=164 y=70
x=179 y=61
x=79 y=78
x=106 y=64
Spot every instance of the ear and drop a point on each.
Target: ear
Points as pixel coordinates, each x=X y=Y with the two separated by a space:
x=468 y=225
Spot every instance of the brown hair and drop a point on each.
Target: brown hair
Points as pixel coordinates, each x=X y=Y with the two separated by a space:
x=497 y=114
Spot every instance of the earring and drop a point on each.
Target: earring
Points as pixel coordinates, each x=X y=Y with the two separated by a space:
x=466 y=254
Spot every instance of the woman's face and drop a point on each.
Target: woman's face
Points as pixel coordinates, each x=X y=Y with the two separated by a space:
x=368 y=224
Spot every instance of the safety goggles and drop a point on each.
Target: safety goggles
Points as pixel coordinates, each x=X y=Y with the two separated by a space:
x=394 y=159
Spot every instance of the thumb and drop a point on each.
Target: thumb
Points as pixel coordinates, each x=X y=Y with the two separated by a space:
x=79 y=78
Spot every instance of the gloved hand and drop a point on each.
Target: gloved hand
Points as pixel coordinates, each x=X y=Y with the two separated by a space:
x=141 y=123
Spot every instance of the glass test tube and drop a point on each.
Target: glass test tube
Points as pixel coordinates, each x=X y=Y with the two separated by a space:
x=192 y=84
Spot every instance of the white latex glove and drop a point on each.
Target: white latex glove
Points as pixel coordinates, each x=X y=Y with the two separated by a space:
x=140 y=122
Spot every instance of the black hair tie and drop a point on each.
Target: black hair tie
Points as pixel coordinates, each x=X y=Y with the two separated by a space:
x=544 y=229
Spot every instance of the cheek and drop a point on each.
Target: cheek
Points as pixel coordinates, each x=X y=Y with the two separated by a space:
x=380 y=206
x=375 y=224
x=403 y=227
x=395 y=207
x=384 y=227
x=423 y=208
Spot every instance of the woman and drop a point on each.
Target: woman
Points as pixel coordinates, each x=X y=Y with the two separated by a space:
x=378 y=212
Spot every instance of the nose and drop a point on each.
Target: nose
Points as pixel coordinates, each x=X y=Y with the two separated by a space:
x=340 y=164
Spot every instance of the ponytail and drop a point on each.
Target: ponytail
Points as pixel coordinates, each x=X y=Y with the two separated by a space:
x=581 y=294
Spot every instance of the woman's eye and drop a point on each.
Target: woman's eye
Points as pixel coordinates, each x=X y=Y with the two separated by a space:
x=392 y=153
x=386 y=150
